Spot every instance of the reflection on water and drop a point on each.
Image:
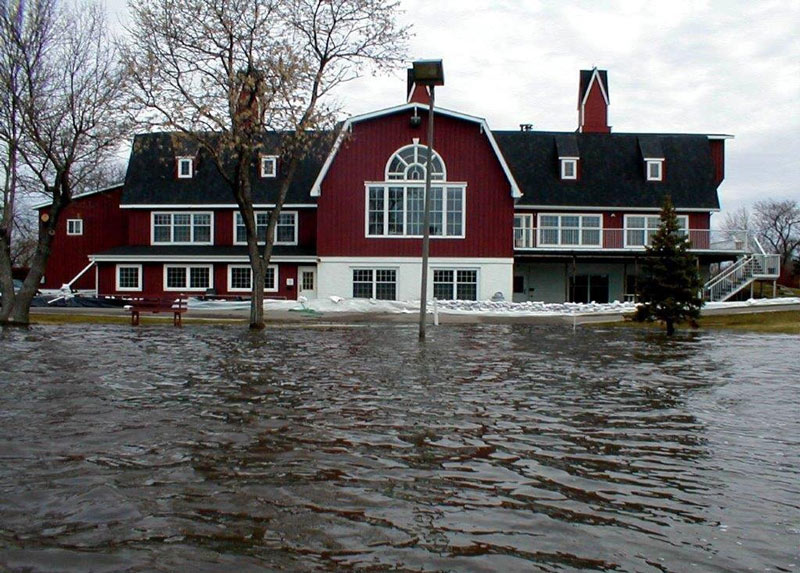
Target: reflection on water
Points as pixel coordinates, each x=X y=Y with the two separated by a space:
x=489 y=448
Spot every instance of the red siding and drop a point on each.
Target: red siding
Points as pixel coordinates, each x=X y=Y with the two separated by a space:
x=595 y=112
x=468 y=157
x=104 y=227
x=718 y=158
x=153 y=281
x=141 y=220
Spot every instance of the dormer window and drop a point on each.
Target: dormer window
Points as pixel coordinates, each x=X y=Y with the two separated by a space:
x=568 y=155
x=655 y=171
x=569 y=168
x=185 y=167
x=269 y=166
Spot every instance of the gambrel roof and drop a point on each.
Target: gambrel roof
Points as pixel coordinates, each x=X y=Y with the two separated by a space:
x=611 y=169
x=151 y=177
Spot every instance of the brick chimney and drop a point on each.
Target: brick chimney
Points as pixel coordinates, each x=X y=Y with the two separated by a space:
x=251 y=88
x=414 y=92
x=593 y=102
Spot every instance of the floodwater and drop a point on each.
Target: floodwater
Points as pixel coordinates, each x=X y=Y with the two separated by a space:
x=488 y=448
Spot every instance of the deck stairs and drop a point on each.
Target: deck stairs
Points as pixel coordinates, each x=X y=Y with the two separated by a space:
x=748 y=268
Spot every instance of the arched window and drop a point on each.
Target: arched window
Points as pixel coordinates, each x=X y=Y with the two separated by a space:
x=408 y=164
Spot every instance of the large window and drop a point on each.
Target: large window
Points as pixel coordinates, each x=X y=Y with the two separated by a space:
x=569 y=231
x=398 y=210
x=285 y=230
x=182 y=228
x=454 y=284
x=639 y=229
x=129 y=277
x=375 y=283
x=188 y=277
x=240 y=278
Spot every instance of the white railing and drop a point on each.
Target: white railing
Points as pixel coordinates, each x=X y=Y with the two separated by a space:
x=743 y=272
x=598 y=238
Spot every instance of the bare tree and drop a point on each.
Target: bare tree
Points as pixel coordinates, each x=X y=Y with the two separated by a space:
x=778 y=223
x=223 y=73
x=66 y=103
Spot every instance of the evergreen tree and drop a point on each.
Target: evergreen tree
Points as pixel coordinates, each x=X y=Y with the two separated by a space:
x=670 y=287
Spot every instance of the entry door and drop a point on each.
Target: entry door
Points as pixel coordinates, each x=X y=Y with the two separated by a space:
x=308 y=282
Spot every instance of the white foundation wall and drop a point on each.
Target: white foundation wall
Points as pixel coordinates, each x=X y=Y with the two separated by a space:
x=335 y=274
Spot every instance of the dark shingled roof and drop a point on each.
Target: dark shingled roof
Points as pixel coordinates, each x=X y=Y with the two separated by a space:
x=151 y=178
x=205 y=251
x=650 y=146
x=611 y=170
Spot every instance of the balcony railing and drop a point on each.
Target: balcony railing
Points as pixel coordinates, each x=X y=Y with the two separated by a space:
x=588 y=238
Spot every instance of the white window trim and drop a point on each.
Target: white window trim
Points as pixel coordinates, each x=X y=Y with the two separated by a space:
x=268 y=159
x=138 y=288
x=423 y=161
x=375 y=278
x=527 y=228
x=660 y=163
x=78 y=223
x=172 y=225
x=237 y=214
x=626 y=228
x=581 y=228
x=248 y=267
x=405 y=184
x=455 y=283
x=185 y=160
x=186 y=270
x=572 y=161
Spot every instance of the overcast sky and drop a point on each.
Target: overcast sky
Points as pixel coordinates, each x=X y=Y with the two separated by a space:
x=684 y=66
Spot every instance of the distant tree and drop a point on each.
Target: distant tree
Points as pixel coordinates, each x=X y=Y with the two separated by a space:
x=224 y=72
x=778 y=225
x=670 y=286
x=59 y=70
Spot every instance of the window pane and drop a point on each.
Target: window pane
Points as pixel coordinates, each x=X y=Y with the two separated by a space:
x=635 y=222
x=385 y=284
x=362 y=283
x=454 y=211
x=202 y=228
x=395 y=220
x=241 y=233
x=467 y=285
x=549 y=236
x=375 y=207
x=176 y=277
x=549 y=221
x=590 y=237
x=285 y=230
x=199 y=277
x=240 y=278
x=635 y=237
x=128 y=277
x=437 y=212
x=570 y=221
x=442 y=284
x=416 y=209
x=591 y=222
x=269 y=279
x=569 y=236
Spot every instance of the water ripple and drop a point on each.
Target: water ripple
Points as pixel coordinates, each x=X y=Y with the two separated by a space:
x=489 y=448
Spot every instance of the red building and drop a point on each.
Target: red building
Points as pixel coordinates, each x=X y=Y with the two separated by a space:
x=535 y=215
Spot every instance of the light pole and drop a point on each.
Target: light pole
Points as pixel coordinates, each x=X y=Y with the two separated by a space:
x=428 y=73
